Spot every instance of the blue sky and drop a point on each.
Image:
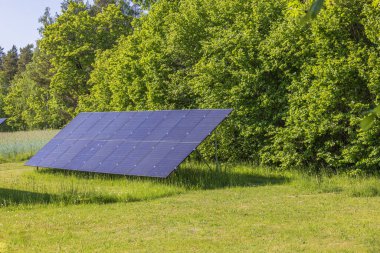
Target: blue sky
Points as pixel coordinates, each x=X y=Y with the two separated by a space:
x=19 y=20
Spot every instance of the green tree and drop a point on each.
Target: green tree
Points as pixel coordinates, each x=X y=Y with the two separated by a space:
x=26 y=55
x=298 y=88
x=192 y=54
x=2 y=94
x=2 y=54
x=65 y=4
x=8 y=70
x=10 y=65
x=26 y=104
x=329 y=93
x=145 y=4
x=72 y=42
x=45 y=20
x=126 y=7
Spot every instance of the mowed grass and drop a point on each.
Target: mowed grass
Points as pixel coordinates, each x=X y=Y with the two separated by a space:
x=19 y=146
x=243 y=208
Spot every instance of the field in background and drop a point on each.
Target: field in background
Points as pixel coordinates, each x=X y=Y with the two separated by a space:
x=241 y=209
x=19 y=146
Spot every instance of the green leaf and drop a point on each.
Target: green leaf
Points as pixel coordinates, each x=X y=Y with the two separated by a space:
x=377 y=110
x=367 y=122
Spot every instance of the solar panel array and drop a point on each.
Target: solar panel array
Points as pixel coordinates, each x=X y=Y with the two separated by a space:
x=2 y=120
x=146 y=143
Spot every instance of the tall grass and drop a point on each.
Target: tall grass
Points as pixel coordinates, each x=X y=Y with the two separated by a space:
x=354 y=186
x=21 y=185
x=19 y=146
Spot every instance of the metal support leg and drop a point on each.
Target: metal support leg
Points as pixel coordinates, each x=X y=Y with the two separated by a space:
x=217 y=165
x=203 y=159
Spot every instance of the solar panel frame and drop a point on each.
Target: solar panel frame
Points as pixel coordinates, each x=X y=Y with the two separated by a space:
x=146 y=143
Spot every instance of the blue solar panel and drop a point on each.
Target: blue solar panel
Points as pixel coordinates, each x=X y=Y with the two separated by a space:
x=147 y=143
x=2 y=120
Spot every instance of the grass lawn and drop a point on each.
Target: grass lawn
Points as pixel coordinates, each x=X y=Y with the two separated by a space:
x=244 y=209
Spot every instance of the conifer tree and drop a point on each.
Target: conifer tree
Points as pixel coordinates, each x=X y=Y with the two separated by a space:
x=26 y=55
x=2 y=54
x=45 y=20
x=10 y=64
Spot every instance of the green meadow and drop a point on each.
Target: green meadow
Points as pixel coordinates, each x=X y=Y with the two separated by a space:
x=21 y=145
x=243 y=208
x=302 y=140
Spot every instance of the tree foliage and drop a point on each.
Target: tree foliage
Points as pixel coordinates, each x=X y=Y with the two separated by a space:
x=26 y=103
x=10 y=66
x=26 y=55
x=299 y=89
x=8 y=70
x=72 y=42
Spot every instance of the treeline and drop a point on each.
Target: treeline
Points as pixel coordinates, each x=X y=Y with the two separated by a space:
x=12 y=63
x=298 y=89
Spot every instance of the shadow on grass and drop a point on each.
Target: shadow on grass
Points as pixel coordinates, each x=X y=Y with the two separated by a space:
x=190 y=177
x=212 y=179
x=15 y=197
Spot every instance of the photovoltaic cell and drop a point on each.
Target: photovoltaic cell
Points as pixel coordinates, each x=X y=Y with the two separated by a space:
x=147 y=143
x=2 y=120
